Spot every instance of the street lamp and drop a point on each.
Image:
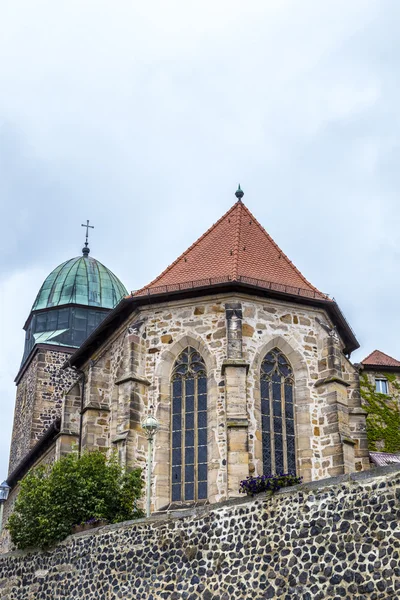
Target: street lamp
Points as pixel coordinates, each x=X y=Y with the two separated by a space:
x=4 y=491
x=149 y=426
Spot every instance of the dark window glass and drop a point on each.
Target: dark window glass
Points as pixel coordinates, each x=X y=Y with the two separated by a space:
x=176 y=475
x=189 y=491
x=176 y=492
x=277 y=406
x=189 y=387
x=202 y=451
x=279 y=468
x=176 y=404
x=189 y=456
x=202 y=419
x=177 y=388
x=202 y=490
x=41 y=321
x=267 y=460
x=189 y=420
x=176 y=439
x=277 y=422
x=63 y=318
x=189 y=402
x=189 y=473
x=202 y=472
x=278 y=442
x=202 y=437
x=177 y=456
x=265 y=420
x=202 y=402
x=176 y=422
x=202 y=385
x=189 y=437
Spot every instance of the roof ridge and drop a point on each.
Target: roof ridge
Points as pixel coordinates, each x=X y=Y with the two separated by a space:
x=282 y=253
x=237 y=240
x=200 y=239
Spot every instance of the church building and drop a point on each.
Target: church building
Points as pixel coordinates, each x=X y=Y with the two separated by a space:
x=243 y=362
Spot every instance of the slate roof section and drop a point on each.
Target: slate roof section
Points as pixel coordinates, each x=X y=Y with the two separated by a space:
x=383 y=459
x=235 y=248
x=380 y=359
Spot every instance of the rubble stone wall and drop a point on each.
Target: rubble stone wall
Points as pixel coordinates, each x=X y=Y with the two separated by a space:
x=332 y=539
x=40 y=393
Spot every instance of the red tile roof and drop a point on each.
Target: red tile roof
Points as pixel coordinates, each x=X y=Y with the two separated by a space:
x=235 y=248
x=380 y=359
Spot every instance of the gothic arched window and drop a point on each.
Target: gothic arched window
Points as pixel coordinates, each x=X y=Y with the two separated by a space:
x=189 y=428
x=277 y=414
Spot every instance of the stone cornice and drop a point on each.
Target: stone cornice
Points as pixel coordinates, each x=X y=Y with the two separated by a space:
x=334 y=379
x=237 y=422
x=234 y=362
x=134 y=378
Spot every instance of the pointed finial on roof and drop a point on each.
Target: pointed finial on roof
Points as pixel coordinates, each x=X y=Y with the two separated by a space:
x=239 y=194
x=86 y=249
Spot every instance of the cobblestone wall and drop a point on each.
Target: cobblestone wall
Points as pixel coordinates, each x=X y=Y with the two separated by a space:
x=327 y=540
x=39 y=399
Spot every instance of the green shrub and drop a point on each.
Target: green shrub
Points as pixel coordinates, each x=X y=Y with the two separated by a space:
x=72 y=491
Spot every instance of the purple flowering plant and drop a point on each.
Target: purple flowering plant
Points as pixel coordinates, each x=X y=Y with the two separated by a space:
x=264 y=483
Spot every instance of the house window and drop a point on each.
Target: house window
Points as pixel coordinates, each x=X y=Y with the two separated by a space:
x=277 y=414
x=381 y=386
x=189 y=428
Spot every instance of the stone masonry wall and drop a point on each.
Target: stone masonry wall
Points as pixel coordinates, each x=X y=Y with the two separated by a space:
x=39 y=399
x=328 y=540
x=130 y=375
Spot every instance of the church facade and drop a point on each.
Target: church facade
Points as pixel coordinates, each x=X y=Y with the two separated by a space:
x=243 y=362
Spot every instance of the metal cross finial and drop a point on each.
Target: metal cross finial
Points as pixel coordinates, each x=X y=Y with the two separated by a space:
x=86 y=249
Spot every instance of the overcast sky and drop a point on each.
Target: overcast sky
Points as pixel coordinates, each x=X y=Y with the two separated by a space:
x=144 y=116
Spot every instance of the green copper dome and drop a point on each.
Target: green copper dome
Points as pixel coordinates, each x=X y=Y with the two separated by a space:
x=82 y=280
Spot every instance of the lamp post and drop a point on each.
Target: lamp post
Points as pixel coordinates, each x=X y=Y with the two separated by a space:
x=149 y=426
x=4 y=491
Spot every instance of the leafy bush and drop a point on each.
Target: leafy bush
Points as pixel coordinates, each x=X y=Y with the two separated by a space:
x=74 y=490
x=265 y=483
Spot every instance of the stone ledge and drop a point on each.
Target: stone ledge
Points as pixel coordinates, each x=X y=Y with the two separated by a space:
x=133 y=378
x=327 y=380
x=120 y=437
x=234 y=362
x=345 y=439
x=358 y=410
x=67 y=432
x=239 y=422
x=95 y=406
